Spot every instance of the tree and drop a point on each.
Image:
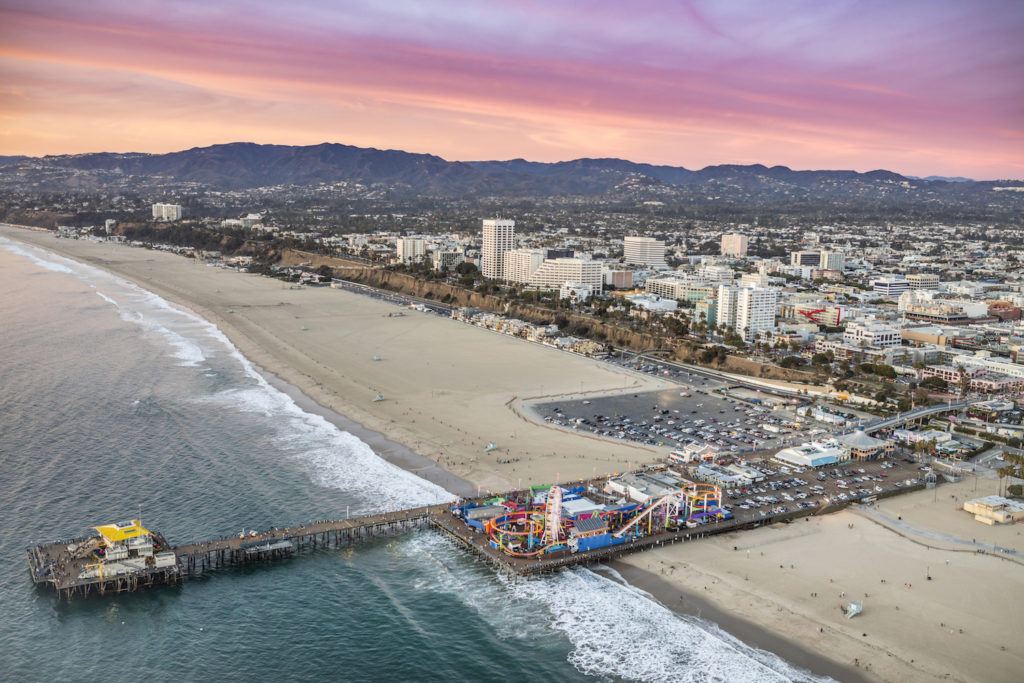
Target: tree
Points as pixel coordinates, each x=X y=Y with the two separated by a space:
x=935 y=382
x=964 y=379
x=883 y=370
x=467 y=268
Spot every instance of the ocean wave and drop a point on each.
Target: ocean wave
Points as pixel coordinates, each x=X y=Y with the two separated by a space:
x=334 y=458
x=50 y=261
x=616 y=631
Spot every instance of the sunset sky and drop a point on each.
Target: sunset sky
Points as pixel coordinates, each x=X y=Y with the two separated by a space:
x=919 y=87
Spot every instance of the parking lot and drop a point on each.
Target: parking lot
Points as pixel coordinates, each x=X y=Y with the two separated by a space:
x=788 y=489
x=692 y=413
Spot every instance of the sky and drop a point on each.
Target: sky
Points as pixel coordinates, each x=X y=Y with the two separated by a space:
x=922 y=87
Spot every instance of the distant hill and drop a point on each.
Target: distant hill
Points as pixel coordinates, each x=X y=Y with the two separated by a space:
x=245 y=165
x=955 y=179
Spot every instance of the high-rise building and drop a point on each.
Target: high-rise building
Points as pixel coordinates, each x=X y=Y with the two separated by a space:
x=168 y=212
x=618 y=279
x=447 y=259
x=734 y=244
x=644 y=251
x=805 y=258
x=519 y=265
x=554 y=273
x=747 y=310
x=499 y=237
x=832 y=260
x=725 y=316
x=410 y=250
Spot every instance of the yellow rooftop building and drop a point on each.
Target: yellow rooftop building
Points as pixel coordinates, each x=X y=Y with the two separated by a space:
x=115 y=534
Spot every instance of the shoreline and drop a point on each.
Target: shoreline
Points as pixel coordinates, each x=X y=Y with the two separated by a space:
x=749 y=632
x=321 y=370
x=393 y=452
x=388 y=449
x=404 y=457
x=442 y=417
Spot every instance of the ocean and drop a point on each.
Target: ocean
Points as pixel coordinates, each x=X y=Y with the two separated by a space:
x=111 y=398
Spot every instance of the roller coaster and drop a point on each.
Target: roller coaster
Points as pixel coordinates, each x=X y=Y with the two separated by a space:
x=533 y=529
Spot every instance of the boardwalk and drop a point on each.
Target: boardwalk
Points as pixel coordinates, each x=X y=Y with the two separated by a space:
x=280 y=542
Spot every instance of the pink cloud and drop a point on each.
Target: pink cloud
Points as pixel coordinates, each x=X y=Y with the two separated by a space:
x=693 y=86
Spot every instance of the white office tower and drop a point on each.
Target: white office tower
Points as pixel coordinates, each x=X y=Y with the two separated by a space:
x=520 y=264
x=168 y=212
x=832 y=260
x=727 y=298
x=748 y=310
x=644 y=251
x=554 y=273
x=499 y=237
x=734 y=244
x=410 y=250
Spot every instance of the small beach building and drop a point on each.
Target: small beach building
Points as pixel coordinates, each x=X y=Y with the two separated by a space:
x=813 y=454
x=995 y=510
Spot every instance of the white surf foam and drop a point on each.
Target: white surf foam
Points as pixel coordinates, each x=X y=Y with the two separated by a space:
x=334 y=458
x=616 y=631
x=50 y=261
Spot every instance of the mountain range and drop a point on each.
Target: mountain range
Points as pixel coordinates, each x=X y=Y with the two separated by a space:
x=243 y=165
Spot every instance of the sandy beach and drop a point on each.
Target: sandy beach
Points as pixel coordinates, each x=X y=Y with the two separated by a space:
x=790 y=580
x=450 y=389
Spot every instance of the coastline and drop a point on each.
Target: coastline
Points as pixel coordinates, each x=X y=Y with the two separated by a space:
x=391 y=451
x=415 y=431
x=445 y=398
x=405 y=458
x=388 y=449
x=691 y=604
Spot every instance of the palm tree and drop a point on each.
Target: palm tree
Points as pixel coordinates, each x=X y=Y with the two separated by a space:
x=1004 y=472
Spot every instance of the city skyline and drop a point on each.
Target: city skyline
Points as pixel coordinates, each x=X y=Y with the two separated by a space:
x=918 y=88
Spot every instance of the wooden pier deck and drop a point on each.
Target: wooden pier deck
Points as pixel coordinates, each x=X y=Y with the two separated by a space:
x=276 y=542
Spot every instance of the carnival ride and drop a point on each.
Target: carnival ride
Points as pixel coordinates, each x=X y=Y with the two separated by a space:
x=536 y=529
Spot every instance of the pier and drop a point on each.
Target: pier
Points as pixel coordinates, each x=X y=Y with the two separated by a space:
x=513 y=531
x=278 y=543
x=71 y=568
